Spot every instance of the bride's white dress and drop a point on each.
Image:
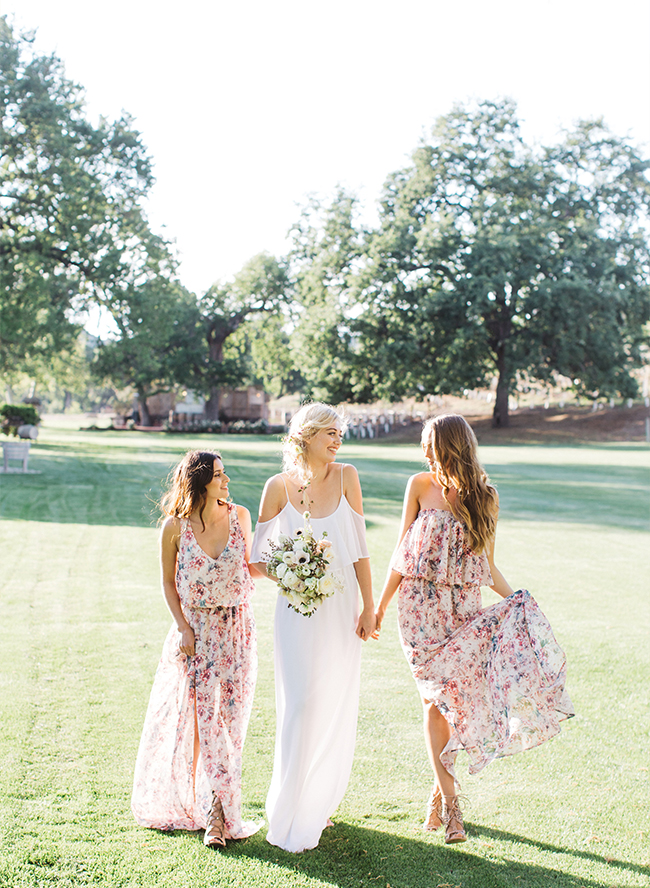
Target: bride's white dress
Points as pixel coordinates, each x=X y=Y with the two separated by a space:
x=317 y=663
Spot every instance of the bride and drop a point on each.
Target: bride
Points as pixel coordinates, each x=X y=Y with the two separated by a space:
x=317 y=658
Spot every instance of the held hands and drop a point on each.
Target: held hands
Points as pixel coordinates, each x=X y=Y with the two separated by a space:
x=186 y=645
x=366 y=625
x=379 y=617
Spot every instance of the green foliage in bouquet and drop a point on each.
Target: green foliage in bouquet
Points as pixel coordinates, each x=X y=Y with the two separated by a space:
x=300 y=565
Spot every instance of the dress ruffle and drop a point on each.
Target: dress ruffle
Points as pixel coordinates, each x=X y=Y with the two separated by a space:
x=346 y=530
x=499 y=680
x=435 y=548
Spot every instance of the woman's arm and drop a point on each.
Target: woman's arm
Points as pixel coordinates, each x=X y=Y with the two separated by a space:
x=244 y=518
x=410 y=511
x=366 y=623
x=352 y=492
x=169 y=538
x=274 y=499
x=500 y=584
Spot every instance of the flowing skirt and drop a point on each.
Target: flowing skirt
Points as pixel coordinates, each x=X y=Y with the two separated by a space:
x=317 y=676
x=214 y=690
x=498 y=677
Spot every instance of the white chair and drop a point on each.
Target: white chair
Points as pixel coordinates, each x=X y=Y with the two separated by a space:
x=15 y=451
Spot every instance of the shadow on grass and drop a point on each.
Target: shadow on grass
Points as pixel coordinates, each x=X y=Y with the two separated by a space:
x=85 y=484
x=620 y=865
x=111 y=487
x=349 y=856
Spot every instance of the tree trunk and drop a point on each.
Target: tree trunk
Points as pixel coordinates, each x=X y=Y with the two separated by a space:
x=500 y=415
x=216 y=339
x=211 y=409
x=145 y=416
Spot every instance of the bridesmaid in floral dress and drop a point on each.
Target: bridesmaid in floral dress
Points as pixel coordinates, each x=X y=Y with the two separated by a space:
x=188 y=769
x=491 y=681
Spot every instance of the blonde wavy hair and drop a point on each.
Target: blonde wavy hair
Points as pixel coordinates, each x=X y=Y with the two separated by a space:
x=454 y=448
x=307 y=422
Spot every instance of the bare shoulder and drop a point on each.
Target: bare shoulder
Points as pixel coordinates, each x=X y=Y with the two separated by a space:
x=418 y=483
x=170 y=532
x=350 y=477
x=243 y=515
x=274 y=498
x=351 y=487
x=171 y=526
x=274 y=483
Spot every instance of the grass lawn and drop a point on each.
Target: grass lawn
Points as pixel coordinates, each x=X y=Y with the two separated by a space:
x=82 y=628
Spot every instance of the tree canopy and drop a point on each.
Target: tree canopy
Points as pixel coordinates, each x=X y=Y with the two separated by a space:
x=160 y=335
x=261 y=286
x=72 y=226
x=492 y=257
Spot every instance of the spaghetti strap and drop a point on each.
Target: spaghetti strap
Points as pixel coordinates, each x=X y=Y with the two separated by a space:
x=286 y=489
x=341 y=473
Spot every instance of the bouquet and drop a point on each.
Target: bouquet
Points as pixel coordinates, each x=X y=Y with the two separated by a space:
x=300 y=565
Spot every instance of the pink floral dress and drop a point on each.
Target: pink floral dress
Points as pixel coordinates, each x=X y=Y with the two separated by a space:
x=213 y=689
x=497 y=675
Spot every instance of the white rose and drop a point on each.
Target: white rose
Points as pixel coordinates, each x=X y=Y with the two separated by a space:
x=327 y=585
x=283 y=539
x=280 y=570
x=290 y=580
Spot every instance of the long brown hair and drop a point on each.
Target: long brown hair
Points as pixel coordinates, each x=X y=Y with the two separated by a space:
x=187 y=492
x=454 y=448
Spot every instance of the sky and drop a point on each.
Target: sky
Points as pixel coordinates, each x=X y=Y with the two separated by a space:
x=250 y=107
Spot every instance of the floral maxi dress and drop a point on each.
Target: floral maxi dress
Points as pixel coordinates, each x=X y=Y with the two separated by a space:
x=213 y=689
x=497 y=675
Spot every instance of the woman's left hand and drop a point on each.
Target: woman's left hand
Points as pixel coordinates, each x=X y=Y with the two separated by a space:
x=366 y=625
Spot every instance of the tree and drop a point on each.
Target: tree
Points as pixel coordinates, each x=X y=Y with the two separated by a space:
x=493 y=257
x=327 y=248
x=262 y=285
x=160 y=334
x=71 y=225
x=264 y=343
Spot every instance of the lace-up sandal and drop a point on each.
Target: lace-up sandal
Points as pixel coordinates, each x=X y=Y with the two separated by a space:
x=453 y=819
x=215 y=833
x=434 y=811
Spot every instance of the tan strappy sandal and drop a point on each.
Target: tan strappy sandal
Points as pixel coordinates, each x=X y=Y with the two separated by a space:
x=433 y=819
x=215 y=833
x=453 y=819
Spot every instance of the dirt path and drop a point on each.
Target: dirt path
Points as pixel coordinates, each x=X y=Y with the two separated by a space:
x=570 y=425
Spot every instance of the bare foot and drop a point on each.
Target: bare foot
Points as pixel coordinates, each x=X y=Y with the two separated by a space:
x=329 y=823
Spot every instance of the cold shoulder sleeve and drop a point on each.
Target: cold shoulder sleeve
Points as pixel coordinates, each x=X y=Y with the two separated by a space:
x=355 y=536
x=265 y=533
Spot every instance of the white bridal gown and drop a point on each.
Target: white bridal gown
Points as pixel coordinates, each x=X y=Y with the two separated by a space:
x=317 y=663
